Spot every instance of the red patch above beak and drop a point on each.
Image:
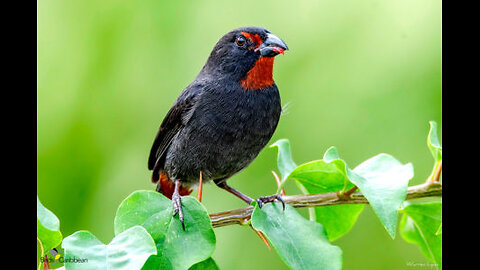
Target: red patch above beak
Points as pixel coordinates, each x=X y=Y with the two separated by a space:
x=255 y=38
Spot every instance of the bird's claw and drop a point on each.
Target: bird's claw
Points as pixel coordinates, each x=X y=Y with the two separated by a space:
x=177 y=208
x=266 y=199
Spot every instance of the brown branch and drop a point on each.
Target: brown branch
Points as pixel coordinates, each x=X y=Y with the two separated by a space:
x=242 y=215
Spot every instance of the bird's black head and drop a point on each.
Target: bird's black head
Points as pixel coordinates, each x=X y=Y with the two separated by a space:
x=246 y=55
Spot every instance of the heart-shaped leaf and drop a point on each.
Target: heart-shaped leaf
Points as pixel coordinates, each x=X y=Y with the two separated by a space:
x=383 y=180
x=322 y=176
x=302 y=244
x=128 y=250
x=420 y=224
x=286 y=165
x=48 y=228
x=327 y=175
x=338 y=219
x=176 y=249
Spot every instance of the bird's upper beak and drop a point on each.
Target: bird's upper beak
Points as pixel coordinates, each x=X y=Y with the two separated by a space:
x=272 y=46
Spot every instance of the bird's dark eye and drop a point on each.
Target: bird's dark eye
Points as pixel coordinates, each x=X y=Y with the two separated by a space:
x=240 y=41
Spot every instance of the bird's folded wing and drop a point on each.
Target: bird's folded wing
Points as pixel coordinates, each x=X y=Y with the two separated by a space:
x=174 y=121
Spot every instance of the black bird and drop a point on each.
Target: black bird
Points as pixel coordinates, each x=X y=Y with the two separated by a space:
x=222 y=120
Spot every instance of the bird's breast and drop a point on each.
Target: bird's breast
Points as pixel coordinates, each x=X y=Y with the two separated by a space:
x=225 y=133
x=245 y=115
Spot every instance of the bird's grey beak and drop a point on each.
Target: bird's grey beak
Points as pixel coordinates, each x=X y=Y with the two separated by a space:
x=272 y=46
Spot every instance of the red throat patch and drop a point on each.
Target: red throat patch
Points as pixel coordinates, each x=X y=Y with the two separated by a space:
x=260 y=76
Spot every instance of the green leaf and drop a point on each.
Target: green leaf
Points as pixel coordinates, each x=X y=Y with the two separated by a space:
x=284 y=158
x=329 y=175
x=48 y=228
x=176 y=249
x=128 y=250
x=286 y=165
x=383 y=180
x=331 y=154
x=208 y=264
x=321 y=176
x=420 y=224
x=433 y=142
x=338 y=219
x=301 y=244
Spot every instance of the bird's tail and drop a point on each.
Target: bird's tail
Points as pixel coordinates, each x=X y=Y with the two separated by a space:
x=167 y=187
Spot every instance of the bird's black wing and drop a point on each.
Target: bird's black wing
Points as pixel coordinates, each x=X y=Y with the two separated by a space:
x=174 y=121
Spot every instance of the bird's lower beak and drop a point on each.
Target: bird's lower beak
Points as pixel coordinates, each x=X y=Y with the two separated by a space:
x=272 y=46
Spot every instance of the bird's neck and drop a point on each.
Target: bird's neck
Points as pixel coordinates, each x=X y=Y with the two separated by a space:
x=260 y=75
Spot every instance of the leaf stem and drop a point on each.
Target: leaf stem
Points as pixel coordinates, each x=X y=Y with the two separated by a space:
x=346 y=195
x=279 y=182
x=262 y=236
x=435 y=175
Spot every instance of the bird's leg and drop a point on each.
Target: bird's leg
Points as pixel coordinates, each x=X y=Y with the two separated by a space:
x=262 y=200
x=243 y=197
x=177 y=203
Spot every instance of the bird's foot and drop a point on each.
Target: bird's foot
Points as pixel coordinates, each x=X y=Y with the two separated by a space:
x=177 y=207
x=266 y=199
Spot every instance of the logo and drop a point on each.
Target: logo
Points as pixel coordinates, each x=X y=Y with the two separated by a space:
x=55 y=254
x=57 y=258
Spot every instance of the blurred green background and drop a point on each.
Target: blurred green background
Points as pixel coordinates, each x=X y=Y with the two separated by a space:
x=364 y=76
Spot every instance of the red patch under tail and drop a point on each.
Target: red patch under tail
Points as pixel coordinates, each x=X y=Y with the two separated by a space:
x=167 y=187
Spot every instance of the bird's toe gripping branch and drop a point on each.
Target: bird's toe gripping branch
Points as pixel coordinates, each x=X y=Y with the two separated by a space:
x=177 y=204
x=277 y=197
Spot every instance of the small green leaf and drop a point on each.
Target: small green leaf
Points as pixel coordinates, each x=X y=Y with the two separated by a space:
x=284 y=158
x=320 y=176
x=301 y=244
x=48 y=228
x=208 y=264
x=286 y=165
x=329 y=175
x=420 y=224
x=338 y=219
x=128 y=250
x=384 y=181
x=331 y=154
x=433 y=142
x=176 y=249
